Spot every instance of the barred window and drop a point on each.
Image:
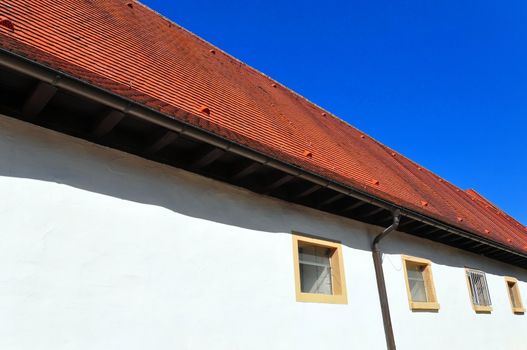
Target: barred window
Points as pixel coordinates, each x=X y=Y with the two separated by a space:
x=479 y=290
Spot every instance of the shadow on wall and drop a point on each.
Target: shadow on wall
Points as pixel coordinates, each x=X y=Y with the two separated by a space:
x=31 y=152
x=441 y=254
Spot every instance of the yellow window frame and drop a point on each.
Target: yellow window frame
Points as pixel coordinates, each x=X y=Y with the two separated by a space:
x=431 y=304
x=478 y=308
x=512 y=285
x=338 y=279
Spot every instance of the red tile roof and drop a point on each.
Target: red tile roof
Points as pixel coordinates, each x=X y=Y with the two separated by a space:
x=126 y=48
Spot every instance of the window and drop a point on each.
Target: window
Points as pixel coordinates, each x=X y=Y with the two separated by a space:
x=514 y=295
x=319 y=271
x=419 y=284
x=479 y=290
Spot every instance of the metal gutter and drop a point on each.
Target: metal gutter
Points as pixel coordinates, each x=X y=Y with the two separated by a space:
x=381 y=284
x=76 y=86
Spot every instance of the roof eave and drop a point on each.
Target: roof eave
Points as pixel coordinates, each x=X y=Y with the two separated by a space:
x=66 y=82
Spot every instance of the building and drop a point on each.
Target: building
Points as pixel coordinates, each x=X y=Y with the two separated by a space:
x=159 y=194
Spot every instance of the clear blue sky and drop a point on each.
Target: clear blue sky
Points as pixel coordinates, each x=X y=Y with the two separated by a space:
x=442 y=82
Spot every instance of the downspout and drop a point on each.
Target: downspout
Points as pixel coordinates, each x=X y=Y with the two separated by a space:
x=381 y=284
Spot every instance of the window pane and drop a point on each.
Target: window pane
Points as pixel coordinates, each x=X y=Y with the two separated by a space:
x=315 y=270
x=418 y=291
x=314 y=255
x=416 y=282
x=478 y=285
x=513 y=295
x=315 y=279
x=480 y=288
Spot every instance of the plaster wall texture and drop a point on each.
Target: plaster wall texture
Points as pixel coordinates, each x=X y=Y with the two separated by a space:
x=104 y=250
x=456 y=325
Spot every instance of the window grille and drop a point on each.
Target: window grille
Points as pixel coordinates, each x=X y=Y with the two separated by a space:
x=479 y=289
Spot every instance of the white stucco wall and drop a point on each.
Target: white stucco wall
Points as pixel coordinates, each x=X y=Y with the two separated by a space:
x=104 y=250
x=456 y=325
